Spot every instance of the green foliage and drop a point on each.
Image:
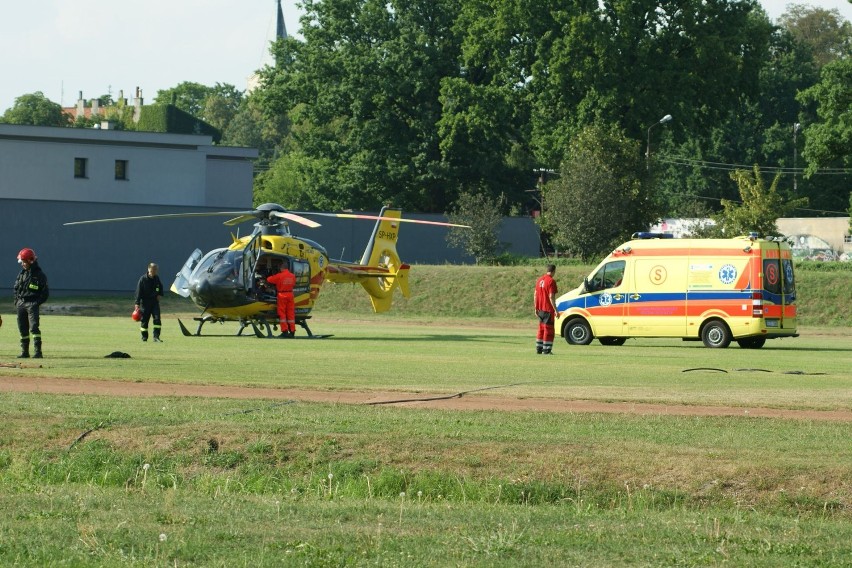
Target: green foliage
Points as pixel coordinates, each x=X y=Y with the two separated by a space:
x=168 y=118
x=602 y=196
x=829 y=141
x=153 y=118
x=761 y=206
x=36 y=110
x=826 y=33
x=216 y=105
x=361 y=93
x=285 y=183
x=484 y=217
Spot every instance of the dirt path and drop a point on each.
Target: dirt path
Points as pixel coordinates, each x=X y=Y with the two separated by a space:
x=422 y=400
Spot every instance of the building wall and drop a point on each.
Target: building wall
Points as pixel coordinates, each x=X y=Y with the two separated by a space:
x=166 y=174
x=833 y=230
x=225 y=178
x=162 y=169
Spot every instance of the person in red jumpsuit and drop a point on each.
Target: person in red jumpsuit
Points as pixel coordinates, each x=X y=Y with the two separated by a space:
x=284 y=283
x=544 y=300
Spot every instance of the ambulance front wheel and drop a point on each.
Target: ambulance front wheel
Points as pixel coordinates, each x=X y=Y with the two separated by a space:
x=716 y=334
x=578 y=332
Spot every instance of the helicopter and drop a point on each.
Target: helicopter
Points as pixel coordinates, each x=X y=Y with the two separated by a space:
x=229 y=283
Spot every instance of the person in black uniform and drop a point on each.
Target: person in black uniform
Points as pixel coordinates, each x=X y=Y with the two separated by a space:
x=148 y=292
x=30 y=292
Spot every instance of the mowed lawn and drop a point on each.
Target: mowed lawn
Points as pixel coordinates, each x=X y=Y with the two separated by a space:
x=179 y=481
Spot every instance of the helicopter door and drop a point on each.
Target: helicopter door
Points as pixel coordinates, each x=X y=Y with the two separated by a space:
x=181 y=284
x=250 y=256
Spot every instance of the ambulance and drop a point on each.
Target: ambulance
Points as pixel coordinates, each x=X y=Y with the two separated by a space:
x=712 y=290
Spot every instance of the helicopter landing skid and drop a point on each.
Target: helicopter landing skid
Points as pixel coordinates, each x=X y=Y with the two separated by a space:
x=256 y=326
x=201 y=321
x=269 y=335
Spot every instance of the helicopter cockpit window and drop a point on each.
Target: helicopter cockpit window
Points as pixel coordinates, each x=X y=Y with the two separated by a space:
x=227 y=265
x=609 y=275
x=301 y=269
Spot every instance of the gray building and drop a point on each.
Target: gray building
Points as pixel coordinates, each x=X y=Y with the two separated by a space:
x=50 y=176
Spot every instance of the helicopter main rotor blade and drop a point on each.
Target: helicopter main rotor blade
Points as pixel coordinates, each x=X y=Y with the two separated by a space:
x=164 y=216
x=381 y=218
x=295 y=218
x=240 y=219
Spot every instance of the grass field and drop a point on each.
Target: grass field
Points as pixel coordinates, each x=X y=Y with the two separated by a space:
x=181 y=481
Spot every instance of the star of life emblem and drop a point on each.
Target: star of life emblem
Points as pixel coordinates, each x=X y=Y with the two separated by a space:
x=605 y=299
x=728 y=274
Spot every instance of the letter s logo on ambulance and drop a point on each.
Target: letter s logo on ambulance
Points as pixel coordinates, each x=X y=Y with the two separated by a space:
x=728 y=274
x=658 y=274
x=772 y=274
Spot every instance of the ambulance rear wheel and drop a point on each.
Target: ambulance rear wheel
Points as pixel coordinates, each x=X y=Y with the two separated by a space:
x=751 y=342
x=612 y=340
x=578 y=332
x=716 y=334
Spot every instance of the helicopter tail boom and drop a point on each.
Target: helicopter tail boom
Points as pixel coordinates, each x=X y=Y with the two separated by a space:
x=380 y=271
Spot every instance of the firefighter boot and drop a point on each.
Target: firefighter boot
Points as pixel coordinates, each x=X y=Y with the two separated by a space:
x=37 y=345
x=25 y=349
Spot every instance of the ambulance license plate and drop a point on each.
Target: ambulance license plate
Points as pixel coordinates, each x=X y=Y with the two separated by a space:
x=772 y=323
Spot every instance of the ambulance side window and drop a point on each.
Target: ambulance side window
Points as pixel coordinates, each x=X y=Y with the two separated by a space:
x=610 y=275
x=614 y=273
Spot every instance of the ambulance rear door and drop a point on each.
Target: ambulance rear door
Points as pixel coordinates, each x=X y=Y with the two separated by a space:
x=779 y=286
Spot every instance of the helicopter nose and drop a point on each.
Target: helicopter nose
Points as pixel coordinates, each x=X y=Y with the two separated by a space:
x=200 y=289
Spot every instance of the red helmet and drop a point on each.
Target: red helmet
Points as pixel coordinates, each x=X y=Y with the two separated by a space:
x=27 y=254
x=137 y=314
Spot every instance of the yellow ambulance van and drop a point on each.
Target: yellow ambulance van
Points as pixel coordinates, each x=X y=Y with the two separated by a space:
x=713 y=290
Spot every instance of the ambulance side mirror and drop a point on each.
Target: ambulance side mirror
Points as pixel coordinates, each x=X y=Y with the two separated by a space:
x=585 y=285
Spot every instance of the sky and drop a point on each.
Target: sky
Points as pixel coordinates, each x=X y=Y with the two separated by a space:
x=99 y=47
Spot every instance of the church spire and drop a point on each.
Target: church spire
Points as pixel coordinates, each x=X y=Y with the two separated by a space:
x=280 y=29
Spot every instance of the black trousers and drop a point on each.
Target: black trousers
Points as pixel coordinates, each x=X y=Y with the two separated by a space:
x=28 y=325
x=150 y=309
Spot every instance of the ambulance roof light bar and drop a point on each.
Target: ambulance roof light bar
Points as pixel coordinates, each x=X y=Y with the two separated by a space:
x=649 y=235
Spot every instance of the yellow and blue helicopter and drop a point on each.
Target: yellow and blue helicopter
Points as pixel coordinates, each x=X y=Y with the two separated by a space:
x=229 y=284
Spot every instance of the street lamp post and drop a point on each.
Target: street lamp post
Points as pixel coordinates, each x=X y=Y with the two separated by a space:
x=796 y=127
x=663 y=120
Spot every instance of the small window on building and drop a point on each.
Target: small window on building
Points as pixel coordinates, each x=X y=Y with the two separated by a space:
x=121 y=169
x=80 y=167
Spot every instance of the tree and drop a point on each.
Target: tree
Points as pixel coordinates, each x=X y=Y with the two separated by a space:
x=602 y=196
x=216 y=105
x=826 y=33
x=830 y=140
x=632 y=61
x=187 y=96
x=362 y=96
x=252 y=127
x=37 y=110
x=482 y=213
x=760 y=208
